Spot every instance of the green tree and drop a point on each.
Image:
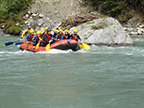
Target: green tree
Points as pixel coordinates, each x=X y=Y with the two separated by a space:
x=11 y=12
x=118 y=8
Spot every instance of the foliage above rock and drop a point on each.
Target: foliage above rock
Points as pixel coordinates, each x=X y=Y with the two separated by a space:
x=77 y=19
x=118 y=8
x=11 y=13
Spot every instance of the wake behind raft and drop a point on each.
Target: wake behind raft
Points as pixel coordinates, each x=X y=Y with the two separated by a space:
x=65 y=44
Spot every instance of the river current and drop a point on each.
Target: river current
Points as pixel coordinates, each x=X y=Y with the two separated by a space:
x=102 y=77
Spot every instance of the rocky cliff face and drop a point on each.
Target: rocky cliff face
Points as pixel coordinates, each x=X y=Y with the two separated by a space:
x=51 y=12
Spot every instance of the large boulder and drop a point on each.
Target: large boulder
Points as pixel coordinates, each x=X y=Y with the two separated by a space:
x=103 y=31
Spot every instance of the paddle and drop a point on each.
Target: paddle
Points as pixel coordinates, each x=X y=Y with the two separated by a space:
x=37 y=46
x=48 y=46
x=19 y=43
x=69 y=42
x=85 y=45
x=81 y=46
x=10 y=43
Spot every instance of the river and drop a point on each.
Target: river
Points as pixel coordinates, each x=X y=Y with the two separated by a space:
x=102 y=77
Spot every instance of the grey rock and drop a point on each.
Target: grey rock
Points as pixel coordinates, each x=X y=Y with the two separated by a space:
x=7 y=35
x=42 y=29
x=37 y=28
x=142 y=26
x=29 y=12
x=26 y=22
x=131 y=24
x=94 y=13
x=17 y=24
x=34 y=15
x=133 y=33
x=31 y=21
x=55 y=12
x=139 y=32
x=3 y=26
x=35 y=7
x=109 y=32
x=40 y=22
x=41 y=15
x=1 y=32
x=26 y=16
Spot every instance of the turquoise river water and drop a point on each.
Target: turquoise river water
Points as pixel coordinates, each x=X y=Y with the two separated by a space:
x=103 y=77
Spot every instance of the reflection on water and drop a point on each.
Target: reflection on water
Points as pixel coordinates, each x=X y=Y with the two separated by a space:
x=103 y=77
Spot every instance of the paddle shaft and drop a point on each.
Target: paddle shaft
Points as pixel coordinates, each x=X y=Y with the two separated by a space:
x=10 y=43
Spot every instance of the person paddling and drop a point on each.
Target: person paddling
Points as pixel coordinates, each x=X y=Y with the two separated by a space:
x=26 y=32
x=47 y=38
x=37 y=38
x=55 y=33
x=45 y=31
x=66 y=35
x=60 y=35
x=75 y=36
x=30 y=36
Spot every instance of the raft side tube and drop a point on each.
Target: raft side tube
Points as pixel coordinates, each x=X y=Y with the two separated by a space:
x=61 y=45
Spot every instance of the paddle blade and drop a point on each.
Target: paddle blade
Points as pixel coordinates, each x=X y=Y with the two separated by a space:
x=81 y=46
x=37 y=46
x=85 y=45
x=8 y=43
x=18 y=43
x=48 y=47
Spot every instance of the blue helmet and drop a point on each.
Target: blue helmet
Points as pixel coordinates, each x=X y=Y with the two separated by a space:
x=28 y=24
x=48 y=29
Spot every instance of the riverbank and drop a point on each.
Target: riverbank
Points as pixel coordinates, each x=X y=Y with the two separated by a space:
x=134 y=29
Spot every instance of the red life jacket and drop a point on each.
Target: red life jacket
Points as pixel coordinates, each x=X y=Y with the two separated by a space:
x=74 y=37
x=55 y=35
x=60 y=35
x=48 y=38
x=44 y=33
x=30 y=37
x=37 y=39
x=66 y=36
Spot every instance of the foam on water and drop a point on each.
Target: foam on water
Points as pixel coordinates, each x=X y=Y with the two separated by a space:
x=137 y=51
x=19 y=52
x=55 y=51
x=102 y=76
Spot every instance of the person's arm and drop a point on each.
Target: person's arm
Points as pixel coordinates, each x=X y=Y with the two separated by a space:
x=27 y=37
x=37 y=39
x=52 y=36
x=70 y=36
x=33 y=39
x=42 y=34
x=78 y=37
x=62 y=37
x=56 y=36
x=34 y=32
x=24 y=32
